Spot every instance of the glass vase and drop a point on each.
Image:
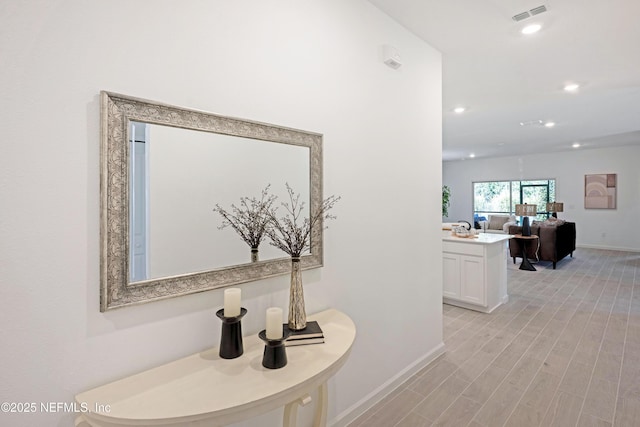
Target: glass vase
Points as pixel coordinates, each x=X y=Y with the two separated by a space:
x=254 y=254
x=297 y=313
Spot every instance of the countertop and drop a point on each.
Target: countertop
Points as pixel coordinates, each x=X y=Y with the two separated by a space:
x=481 y=239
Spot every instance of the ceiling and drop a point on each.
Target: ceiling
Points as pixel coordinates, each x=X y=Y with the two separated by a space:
x=504 y=78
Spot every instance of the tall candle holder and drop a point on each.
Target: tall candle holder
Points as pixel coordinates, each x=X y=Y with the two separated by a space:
x=275 y=353
x=231 y=337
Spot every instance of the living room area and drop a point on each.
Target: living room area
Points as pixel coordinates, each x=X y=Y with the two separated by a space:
x=595 y=228
x=565 y=348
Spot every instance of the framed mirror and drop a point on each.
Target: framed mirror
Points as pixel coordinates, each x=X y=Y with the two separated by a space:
x=163 y=170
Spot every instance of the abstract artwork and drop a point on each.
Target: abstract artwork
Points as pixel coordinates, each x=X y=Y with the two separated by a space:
x=600 y=191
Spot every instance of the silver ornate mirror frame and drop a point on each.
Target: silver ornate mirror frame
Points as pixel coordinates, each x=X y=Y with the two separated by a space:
x=117 y=111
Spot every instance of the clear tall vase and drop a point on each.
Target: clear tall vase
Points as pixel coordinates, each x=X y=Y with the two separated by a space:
x=297 y=313
x=254 y=254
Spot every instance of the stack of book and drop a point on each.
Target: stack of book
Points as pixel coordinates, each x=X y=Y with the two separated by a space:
x=312 y=334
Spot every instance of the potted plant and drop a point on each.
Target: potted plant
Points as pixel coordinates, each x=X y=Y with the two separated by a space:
x=446 y=195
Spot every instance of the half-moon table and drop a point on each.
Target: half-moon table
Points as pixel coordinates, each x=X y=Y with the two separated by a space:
x=206 y=390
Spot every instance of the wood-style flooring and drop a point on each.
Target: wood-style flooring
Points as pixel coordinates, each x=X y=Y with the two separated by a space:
x=565 y=351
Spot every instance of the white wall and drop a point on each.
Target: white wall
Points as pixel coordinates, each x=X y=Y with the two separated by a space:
x=312 y=65
x=601 y=228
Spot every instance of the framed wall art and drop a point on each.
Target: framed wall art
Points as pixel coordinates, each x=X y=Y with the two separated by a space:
x=600 y=191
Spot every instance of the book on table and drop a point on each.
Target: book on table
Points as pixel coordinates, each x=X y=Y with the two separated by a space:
x=304 y=341
x=312 y=334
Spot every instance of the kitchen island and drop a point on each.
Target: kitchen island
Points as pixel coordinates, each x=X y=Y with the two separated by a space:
x=475 y=271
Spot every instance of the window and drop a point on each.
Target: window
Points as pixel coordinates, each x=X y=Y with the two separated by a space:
x=501 y=197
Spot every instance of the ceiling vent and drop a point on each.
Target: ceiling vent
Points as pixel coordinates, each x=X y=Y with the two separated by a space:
x=538 y=10
x=529 y=13
x=521 y=16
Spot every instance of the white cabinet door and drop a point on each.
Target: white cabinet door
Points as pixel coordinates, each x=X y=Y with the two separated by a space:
x=472 y=283
x=451 y=275
x=474 y=273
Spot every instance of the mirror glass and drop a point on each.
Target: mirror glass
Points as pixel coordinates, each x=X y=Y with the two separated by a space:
x=163 y=171
x=179 y=175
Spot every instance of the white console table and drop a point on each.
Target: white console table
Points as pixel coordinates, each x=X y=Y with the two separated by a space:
x=475 y=271
x=206 y=390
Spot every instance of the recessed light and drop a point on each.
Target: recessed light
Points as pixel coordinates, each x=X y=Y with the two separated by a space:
x=571 y=87
x=531 y=123
x=530 y=29
x=549 y=124
x=459 y=110
x=472 y=155
x=576 y=145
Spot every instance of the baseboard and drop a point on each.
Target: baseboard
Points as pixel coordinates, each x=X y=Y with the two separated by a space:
x=608 y=248
x=354 y=411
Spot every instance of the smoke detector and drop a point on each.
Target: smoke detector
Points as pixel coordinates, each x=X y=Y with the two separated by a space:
x=391 y=57
x=529 y=13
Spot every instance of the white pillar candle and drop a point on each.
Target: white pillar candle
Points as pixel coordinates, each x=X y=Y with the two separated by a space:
x=274 y=323
x=232 y=302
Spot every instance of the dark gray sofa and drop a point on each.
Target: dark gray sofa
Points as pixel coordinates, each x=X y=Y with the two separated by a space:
x=555 y=242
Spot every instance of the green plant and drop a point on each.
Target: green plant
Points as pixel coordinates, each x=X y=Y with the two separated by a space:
x=446 y=195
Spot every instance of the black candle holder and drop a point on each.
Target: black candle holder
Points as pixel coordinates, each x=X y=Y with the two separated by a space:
x=231 y=337
x=275 y=354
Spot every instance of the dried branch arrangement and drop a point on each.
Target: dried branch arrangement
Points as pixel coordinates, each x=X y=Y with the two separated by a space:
x=291 y=232
x=250 y=220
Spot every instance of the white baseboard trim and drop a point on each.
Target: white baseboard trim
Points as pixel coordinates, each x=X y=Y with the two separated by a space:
x=354 y=411
x=608 y=248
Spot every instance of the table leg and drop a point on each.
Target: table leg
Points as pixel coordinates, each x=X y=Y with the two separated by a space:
x=291 y=411
x=81 y=422
x=525 y=265
x=320 y=417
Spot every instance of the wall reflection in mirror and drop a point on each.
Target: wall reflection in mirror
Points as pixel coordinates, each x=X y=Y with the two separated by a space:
x=178 y=177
